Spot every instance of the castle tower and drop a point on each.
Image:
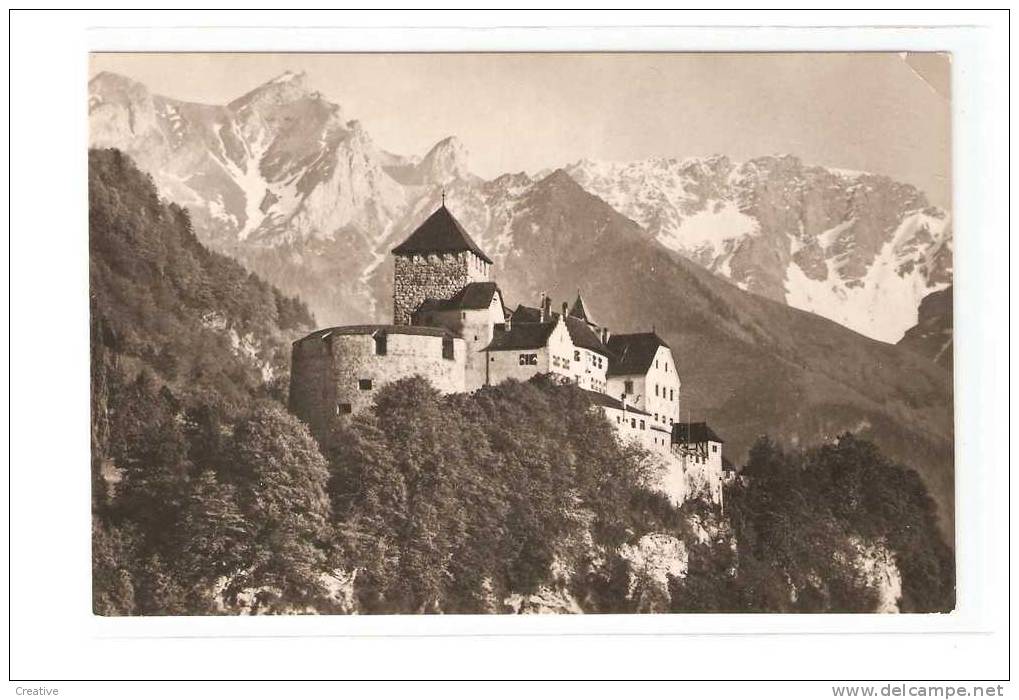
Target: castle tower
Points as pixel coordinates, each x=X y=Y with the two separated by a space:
x=435 y=262
x=579 y=310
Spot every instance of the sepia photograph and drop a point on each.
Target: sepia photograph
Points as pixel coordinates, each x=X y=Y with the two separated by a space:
x=480 y=348
x=508 y=333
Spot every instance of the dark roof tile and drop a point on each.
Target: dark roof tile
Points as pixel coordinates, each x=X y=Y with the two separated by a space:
x=440 y=233
x=580 y=311
x=693 y=433
x=633 y=353
x=582 y=335
x=476 y=295
x=522 y=336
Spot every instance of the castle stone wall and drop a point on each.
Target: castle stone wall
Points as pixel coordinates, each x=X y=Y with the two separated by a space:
x=436 y=276
x=331 y=372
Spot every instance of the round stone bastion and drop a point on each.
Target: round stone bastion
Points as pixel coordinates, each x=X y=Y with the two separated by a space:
x=335 y=372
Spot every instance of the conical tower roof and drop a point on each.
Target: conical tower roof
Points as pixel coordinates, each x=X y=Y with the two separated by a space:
x=580 y=311
x=440 y=233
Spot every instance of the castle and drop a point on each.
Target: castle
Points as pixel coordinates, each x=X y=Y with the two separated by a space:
x=451 y=326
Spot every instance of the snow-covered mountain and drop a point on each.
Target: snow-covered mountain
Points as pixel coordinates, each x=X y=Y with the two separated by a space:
x=281 y=179
x=860 y=249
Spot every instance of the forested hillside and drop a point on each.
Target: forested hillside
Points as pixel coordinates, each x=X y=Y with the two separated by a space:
x=162 y=301
x=209 y=498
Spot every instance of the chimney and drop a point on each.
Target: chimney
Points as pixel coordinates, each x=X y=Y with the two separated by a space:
x=605 y=336
x=546 y=308
x=564 y=310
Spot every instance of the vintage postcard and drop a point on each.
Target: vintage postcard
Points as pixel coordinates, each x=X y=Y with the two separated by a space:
x=521 y=333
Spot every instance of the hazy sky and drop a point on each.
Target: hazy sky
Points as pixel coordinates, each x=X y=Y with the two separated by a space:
x=882 y=112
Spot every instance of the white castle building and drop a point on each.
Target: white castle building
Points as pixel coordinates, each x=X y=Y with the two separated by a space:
x=451 y=326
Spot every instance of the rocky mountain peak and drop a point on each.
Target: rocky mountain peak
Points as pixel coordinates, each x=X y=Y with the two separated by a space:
x=284 y=88
x=445 y=161
x=858 y=248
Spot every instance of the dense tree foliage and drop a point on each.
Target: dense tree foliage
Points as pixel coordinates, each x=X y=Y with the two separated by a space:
x=160 y=299
x=449 y=503
x=208 y=497
x=189 y=353
x=800 y=520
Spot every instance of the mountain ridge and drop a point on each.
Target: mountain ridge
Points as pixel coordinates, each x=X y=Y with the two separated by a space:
x=751 y=365
x=281 y=167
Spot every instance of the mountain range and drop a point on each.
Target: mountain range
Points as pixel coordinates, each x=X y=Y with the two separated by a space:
x=281 y=180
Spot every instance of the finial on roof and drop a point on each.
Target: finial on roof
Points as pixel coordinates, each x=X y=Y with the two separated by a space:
x=443 y=196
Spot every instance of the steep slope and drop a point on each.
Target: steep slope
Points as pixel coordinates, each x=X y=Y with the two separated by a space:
x=932 y=335
x=749 y=365
x=278 y=179
x=860 y=249
x=163 y=302
x=282 y=180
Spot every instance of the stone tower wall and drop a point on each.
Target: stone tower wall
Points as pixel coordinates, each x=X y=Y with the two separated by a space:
x=326 y=374
x=436 y=276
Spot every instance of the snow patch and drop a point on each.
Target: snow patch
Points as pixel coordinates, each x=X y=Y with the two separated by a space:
x=826 y=239
x=710 y=229
x=882 y=304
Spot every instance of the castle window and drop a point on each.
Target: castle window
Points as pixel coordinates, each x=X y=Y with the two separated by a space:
x=714 y=448
x=633 y=422
x=364 y=384
x=671 y=393
x=343 y=409
x=447 y=348
x=628 y=386
x=656 y=390
x=381 y=345
x=656 y=364
x=642 y=425
x=656 y=418
x=528 y=358
x=576 y=355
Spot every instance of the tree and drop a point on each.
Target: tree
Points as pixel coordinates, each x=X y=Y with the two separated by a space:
x=280 y=479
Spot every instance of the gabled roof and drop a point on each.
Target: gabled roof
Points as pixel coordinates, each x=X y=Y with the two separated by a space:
x=522 y=336
x=525 y=314
x=580 y=333
x=440 y=233
x=476 y=295
x=584 y=337
x=693 y=433
x=633 y=353
x=579 y=310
